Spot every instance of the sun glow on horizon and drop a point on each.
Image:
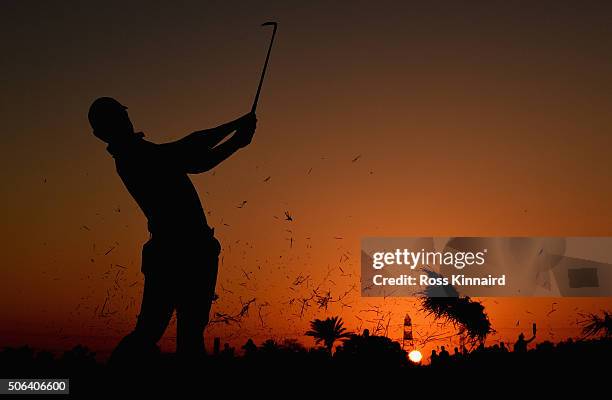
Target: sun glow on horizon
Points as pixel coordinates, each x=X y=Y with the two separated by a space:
x=415 y=356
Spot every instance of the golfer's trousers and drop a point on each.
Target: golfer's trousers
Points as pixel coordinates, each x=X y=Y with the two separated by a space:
x=181 y=277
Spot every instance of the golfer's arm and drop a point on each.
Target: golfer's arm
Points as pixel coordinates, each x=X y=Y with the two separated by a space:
x=197 y=159
x=208 y=138
x=215 y=156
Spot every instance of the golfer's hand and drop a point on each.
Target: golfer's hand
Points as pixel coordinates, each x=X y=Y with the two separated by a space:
x=246 y=129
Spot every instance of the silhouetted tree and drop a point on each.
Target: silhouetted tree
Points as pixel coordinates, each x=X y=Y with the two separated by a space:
x=462 y=312
x=293 y=346
x=328 y=331
x=595 y=325
x=269 y=346
x=359 y=351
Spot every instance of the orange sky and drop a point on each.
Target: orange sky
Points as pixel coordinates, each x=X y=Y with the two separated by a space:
x=489 y=119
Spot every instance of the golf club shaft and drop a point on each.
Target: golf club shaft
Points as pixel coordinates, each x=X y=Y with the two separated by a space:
x=263 y=73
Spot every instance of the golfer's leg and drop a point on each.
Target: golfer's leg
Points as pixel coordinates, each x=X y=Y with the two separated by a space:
x=193 y=310
x=189 y=332
x=156 y=310
x=155 y=313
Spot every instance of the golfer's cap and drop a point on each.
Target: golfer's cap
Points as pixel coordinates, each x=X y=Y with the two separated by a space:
x=101 y=108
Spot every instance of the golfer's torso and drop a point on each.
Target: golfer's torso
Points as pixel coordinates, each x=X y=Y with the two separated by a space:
x=165 y=194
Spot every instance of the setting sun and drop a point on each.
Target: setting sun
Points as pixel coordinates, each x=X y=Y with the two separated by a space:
x=415 y=356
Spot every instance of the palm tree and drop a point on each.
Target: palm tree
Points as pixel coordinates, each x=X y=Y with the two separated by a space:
x=328 y=331
x=595 y=325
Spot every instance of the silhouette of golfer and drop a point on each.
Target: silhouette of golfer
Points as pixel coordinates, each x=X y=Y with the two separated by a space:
x=180 y=260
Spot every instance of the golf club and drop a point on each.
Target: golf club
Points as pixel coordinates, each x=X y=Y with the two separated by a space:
x=263 y=73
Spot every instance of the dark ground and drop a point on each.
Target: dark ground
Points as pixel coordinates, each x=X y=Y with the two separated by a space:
x=374 y=365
